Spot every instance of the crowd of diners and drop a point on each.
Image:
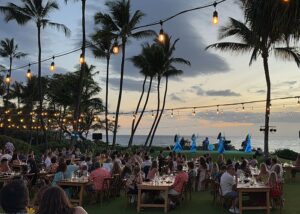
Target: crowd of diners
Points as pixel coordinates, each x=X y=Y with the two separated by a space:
x=133 y=168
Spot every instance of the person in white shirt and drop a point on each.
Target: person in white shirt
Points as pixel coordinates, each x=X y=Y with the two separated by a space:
x=48 y=160
x=228 y=185
x=146 y=162
x=108 y=165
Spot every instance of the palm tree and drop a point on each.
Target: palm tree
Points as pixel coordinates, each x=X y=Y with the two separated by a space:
x=101 y=47
x=38 y=12
x=144 y=62
x=169 y=70
x=122 y=23
x=17 y=91
x=9 y=49
x=259 y=42
x=82 y=71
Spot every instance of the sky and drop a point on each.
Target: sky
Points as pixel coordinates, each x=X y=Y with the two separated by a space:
x=213 y=77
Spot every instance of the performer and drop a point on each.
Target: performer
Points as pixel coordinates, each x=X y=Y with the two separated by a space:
x=177 y=148
x=194 y=144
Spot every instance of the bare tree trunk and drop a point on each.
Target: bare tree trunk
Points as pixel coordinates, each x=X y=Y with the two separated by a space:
x=157 y=111
x=82 y=70
x=106 y=96
x=268 y=101
x=40 y=92
x=8 y=84
x=136 y=111
x=161 y=112
x=120 y=92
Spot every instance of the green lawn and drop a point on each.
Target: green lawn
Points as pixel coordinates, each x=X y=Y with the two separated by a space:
x=201 y=203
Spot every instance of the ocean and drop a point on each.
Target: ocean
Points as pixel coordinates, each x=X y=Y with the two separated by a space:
x=275 y=142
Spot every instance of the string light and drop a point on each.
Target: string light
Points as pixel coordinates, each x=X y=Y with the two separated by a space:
x=172 y=113
x=81 y=59
x=161 y=35
x=243 y=107
x=218 y=109
x=152 y=114
x=29 y=74
x=298 y=100
x=115 y=48
x=7 y=79
x=194 y=112
x=215 y=19
x=52 y=66
x=133 y=116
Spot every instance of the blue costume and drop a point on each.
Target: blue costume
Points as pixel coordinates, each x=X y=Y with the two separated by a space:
x=221 y=148
x=177 y=148
x=248 y=146
x=194 y=144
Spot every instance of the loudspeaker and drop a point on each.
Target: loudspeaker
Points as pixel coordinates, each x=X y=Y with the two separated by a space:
x=97 y=136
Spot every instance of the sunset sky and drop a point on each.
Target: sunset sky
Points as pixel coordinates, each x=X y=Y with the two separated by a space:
x=213 y=78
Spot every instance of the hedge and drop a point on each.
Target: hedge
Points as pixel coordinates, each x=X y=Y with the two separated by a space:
x=20 y=145
x=286 y=154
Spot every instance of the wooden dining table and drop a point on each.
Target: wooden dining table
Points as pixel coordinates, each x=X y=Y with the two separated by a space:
x=79 y=183
x=243 y=188
x=162 y=186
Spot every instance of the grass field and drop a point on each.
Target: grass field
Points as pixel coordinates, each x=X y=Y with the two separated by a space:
x=201 y=203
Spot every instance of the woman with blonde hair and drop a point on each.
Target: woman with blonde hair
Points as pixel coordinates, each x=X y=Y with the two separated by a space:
x=264 y=174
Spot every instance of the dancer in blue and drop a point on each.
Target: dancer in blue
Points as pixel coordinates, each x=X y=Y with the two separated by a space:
x=177 y=148
x=220 y=142
x=248 y=146
x=194 y=144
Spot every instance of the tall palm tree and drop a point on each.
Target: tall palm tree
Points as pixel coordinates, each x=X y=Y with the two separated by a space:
x=122 y=23
x=144 y=62
x=82 y=71
x=36 y=11
x=169 y=70
x=9 y=49
x=102 y=48
x=259 y=43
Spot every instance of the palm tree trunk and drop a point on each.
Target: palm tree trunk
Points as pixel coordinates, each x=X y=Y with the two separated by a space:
x=120 y=92
x=40 y=84
x=8 y=84
x=106 y=96
x=144 y=108
x=161 y=113
x=268 y=101
x=157 y=111
x=82 y=69
x=136 y=111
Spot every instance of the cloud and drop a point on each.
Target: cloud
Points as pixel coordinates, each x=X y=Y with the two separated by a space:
x=261 y=91
x=134 y=85
x=213 y=93
x=177 y=98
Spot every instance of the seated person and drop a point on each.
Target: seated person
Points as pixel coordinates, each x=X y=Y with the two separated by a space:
x=59 y=175
x=192 y=175
x=296 y=166
x=15 y=159
x=97 y=177
x=153 y=170
x=108 y=165
x=181 y=179
x=71 y=168
x=253 y=162
x=14 y=197
x=264 y=174
x=214 y=172
x=134 y=179
x=54 y=165
x=116 y=169
x=228 y=187
x=4 y=167
x=274 y=184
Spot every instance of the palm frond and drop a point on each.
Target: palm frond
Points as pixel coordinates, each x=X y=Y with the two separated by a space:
x=59 y=27
x=143 y=34
x=231 y=46
x=288 y=53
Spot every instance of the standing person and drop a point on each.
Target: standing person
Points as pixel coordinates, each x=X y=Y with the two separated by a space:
x=55 y=200
x=10 y=147
x=205 y=144
x=14 y=197
x=228 y=186
x=202 y=172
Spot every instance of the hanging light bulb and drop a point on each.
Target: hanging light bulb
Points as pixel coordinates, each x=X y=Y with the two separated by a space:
x=298 y=100
x=172 y=113
x=215 y=19
x=218 y=110
x=115 y=48
x=81 y=59
x=29 y=74
x=285 y=1
x=243 y=106
x=52 y=66
x=7 y=79
x=161 y=35
x=152 y=114
x=194 y=112
x=133 y=116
